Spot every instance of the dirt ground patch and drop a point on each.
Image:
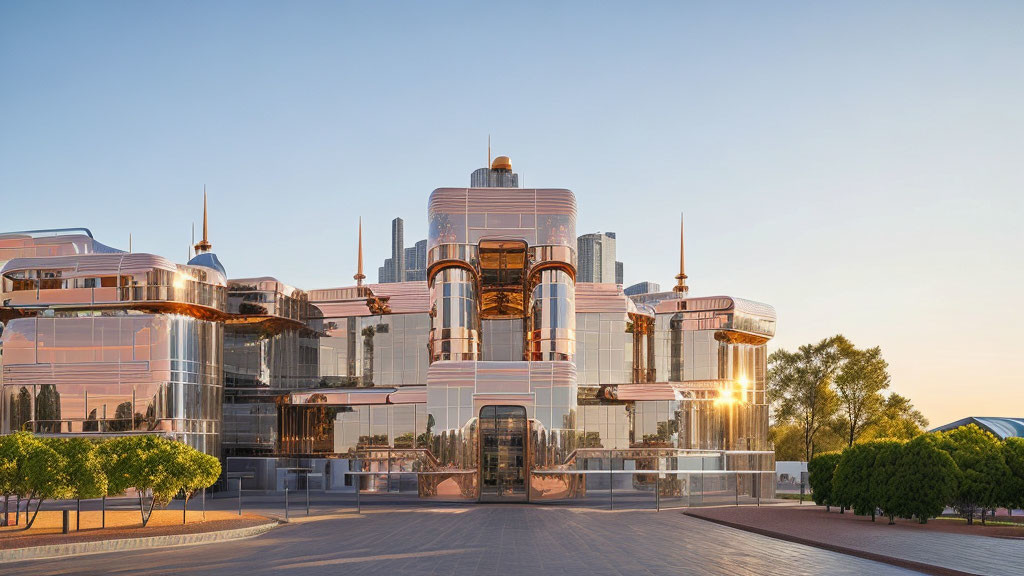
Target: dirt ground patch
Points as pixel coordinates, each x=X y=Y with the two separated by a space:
x=120 y=524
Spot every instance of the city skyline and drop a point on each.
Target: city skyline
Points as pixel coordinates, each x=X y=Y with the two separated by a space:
x=875 y=193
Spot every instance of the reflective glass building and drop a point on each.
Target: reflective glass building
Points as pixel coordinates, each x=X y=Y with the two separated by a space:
x=499 y=378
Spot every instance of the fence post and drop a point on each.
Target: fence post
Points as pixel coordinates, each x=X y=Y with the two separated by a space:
x=78 y=514
x=307 y=493
x=657 y=492
x=358 y=508
x=204 y=504
x=104 y=513
x=184 y=509
x=239 y=495
x=736 y=475
x=66 y=524
x=611 y=484
x=286 y=502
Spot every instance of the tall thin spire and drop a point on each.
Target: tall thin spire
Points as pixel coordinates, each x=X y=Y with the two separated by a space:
x=129 y=242
x=204 y=244
x=359 y=277
x=681 y=286
x=488 y=150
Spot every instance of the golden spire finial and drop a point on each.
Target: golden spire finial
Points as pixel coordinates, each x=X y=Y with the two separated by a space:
x=204 y=244
x=359 y=277
x=681 y=286
x=488 y=150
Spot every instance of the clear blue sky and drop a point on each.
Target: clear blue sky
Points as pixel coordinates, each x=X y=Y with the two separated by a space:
x=857 y=165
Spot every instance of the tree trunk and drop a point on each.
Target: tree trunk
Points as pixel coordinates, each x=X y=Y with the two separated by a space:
x=983 y=511
x=28 y=503
x=892 y=519
x=142 y=510
x=6 y=499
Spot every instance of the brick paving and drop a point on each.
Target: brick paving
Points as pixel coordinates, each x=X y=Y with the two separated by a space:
x=937 y=544
x=495 y=539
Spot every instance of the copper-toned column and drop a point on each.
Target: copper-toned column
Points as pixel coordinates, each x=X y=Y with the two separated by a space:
x=454 y=315
x=551 y=323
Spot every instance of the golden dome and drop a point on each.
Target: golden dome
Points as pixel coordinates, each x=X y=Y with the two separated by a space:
x=501 y=163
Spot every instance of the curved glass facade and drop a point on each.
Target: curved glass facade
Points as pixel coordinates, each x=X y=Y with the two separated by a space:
x=454 y=316
x=551 y=332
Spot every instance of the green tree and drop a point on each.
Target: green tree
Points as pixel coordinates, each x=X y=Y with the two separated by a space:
x=888 y=454
x=13 y=457
x=820 y=472
x=788 y=440
x=898 y=419
x=851 y=486
x=189 y=471
x=140 y=463
x=801 y=386
x=86 y=477
x=1013 y=454
x=45 y=476
x=983 y=471
x=926 y=479
x=859 y=384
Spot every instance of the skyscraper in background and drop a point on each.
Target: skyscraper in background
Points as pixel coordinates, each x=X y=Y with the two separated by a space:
x=645 y=287
x=405 y=264
x=416 y=262
x=596 y=258
x=397 y=250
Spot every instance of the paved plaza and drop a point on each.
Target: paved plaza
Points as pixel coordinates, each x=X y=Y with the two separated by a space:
x=496 y=539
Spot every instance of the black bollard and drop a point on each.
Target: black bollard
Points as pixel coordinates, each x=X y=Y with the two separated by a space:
x=67 y=521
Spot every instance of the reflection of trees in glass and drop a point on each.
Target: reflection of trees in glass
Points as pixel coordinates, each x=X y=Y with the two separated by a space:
x=90 y=424
x=248 y=308
x=423 y=440
x=122 y=421
x=48 y=409
x=676 y=348
x=368 y=334
x=150 y=416
x=21 y=409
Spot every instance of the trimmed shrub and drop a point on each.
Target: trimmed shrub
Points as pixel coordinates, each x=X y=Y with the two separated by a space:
x=820 y=471
x=851 y=486
x=1013 y=454
x=926 y=479
x=888 y=454
x=983 y=471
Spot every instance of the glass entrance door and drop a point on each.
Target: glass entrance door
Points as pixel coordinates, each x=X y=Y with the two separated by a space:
x=503 y=454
